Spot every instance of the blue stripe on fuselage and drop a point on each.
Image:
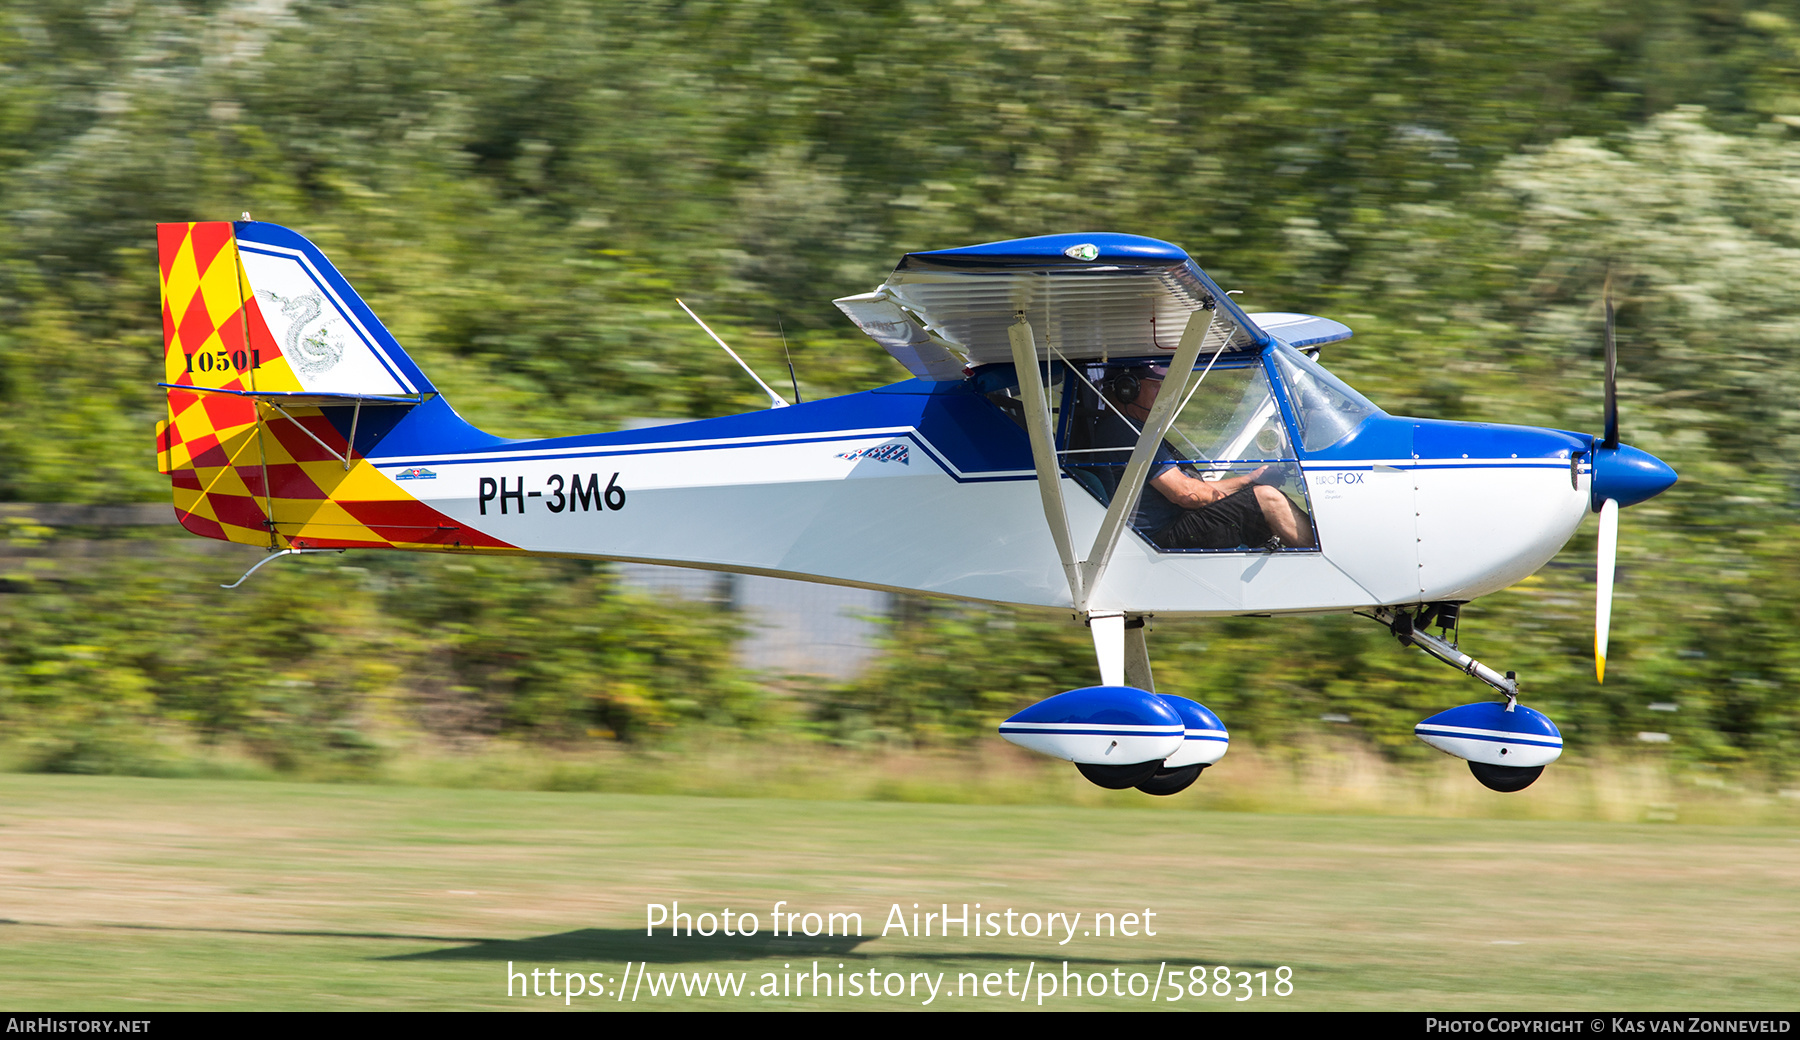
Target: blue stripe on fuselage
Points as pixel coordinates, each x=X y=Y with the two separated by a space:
x=954 y=422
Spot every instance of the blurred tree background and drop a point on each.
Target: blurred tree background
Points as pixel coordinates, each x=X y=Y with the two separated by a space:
x=520 y=188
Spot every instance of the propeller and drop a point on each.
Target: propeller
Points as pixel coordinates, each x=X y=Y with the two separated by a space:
x=1608 y=552
x=1607 y=547
x=1621 y=476
x=1611 y=436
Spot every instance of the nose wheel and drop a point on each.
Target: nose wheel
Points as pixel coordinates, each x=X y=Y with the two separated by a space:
x=1505 y=779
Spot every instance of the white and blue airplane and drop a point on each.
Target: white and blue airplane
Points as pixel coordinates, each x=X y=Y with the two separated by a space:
x=1092 y=427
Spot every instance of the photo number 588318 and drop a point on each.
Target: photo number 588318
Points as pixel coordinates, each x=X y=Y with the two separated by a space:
x=1221 y=981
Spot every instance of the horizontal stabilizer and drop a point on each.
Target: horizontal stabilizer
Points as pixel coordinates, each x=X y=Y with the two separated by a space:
x=301 y=398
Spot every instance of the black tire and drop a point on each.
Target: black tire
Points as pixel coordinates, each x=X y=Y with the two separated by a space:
x=1119 y=778
x=1171 y=781
x=1505 y=779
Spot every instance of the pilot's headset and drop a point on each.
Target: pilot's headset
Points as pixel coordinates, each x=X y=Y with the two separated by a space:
x=1124 y=385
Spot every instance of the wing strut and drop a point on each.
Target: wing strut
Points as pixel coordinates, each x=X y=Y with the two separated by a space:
x=1043 y=452
x=1162 y=414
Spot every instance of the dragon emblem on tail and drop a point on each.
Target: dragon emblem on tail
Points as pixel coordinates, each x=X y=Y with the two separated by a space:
x=308 y=354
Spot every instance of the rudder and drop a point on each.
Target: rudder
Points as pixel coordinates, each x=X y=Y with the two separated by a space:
x=207 y=444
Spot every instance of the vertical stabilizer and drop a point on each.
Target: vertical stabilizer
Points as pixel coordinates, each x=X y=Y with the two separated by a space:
x=280 y=381
x=302 y=311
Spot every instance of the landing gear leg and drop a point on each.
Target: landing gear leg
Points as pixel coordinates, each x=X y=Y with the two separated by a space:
x=1411 y=632
x=1108 y=629
x=1137 y=656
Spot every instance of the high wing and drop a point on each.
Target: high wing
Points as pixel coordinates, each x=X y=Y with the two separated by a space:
x=1095 y=295
x=1301 y=331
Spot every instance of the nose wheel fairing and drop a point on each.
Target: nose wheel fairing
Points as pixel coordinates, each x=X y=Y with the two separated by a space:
x=1494 y=734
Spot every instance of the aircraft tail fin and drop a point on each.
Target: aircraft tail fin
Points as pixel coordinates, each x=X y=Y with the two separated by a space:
x=280 y=379
x=256 y=307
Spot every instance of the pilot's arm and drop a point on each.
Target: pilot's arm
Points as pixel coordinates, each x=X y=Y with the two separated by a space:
x=1193 y=493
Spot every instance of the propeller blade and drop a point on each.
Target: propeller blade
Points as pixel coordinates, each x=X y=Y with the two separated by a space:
x=1611 y=436
x=1607 y=552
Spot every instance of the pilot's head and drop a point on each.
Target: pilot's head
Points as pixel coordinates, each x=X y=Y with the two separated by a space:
x=1134 y=390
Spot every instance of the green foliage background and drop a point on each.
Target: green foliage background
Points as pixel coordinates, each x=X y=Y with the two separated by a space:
x=520 y=189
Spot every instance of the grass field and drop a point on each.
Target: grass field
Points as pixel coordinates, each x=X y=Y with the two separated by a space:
x=128 y=894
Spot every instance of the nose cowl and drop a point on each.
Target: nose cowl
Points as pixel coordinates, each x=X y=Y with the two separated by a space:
x=1628 y=475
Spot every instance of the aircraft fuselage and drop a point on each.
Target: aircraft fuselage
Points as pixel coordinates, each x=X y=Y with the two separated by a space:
x=927 y=487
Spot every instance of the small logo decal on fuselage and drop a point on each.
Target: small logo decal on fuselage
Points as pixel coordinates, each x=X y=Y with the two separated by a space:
x=416 y=473
x=880 y=453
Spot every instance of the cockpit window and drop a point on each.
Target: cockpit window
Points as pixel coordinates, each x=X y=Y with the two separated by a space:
x=1327 y=408
x=1230 y=422
x=1228 y=428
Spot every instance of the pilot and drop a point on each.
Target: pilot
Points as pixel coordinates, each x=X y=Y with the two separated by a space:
x=1186 y=512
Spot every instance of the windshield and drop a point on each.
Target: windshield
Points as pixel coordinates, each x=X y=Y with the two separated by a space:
x=1327 y=408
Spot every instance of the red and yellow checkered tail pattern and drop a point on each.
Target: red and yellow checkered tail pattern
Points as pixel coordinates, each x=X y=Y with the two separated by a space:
x=243 y=469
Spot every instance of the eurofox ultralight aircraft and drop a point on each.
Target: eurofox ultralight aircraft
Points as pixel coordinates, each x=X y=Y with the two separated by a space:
x=1092 y=426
